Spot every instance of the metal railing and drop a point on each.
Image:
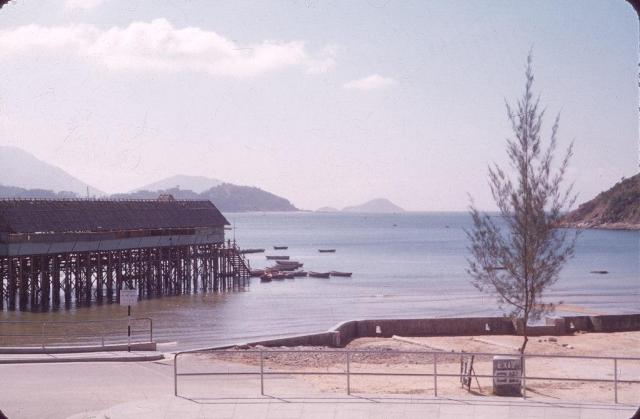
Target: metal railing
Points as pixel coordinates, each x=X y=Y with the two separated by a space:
x=349 y=354
x=70 y=333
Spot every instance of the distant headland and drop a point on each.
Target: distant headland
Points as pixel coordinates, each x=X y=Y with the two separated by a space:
x=616 y=209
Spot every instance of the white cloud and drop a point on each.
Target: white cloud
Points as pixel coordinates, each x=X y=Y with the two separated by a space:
x=372 y=82
x=324 y=61
x=82 y=4
x=158 y=46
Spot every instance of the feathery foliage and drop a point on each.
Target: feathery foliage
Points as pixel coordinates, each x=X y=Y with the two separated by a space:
x=521 y=260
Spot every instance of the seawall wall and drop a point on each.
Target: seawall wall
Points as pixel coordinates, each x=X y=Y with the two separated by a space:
x=343 y=333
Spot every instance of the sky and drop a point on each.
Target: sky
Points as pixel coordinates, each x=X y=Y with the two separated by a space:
x=326 y=103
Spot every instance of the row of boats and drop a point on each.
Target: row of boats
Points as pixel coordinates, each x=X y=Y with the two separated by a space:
x=281 y=248
x=285 y=269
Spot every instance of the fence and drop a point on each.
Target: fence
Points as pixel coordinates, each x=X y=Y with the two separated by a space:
x=349 y=355
x=50 y=334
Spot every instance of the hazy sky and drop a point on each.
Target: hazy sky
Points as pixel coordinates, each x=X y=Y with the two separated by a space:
x=322 y=102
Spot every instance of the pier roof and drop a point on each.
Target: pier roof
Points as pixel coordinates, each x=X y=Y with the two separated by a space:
x=96 y=215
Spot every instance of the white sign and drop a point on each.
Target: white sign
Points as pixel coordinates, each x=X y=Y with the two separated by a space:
x=128 y=297
x=507 y=373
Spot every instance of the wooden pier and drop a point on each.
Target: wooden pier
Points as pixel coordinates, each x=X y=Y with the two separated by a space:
x=158 y=248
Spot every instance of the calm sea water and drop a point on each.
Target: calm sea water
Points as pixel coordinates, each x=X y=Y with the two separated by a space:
x=404 y=265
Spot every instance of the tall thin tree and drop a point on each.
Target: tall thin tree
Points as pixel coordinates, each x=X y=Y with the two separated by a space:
x=519 y=259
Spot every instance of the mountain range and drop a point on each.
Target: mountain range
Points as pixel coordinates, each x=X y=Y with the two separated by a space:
x=23 y=170
x=25 y=176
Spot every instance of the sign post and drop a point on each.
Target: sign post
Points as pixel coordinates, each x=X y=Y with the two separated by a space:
x=128 y=298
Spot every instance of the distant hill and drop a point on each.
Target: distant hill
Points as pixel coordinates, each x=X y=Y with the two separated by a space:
x=616 y=208
x=196 y=184
x=379 y=205
x=144 y=194
x=21 y=169
x=15 y=192
x=227 y=197
x=24 y=176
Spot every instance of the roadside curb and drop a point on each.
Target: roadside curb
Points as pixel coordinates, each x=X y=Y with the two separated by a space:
x=38 y=350
x=51 y=360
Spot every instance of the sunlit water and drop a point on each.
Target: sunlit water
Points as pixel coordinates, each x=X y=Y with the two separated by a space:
x=404 y=265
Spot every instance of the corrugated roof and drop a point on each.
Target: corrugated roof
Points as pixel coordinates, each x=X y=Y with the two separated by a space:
x=72 y=215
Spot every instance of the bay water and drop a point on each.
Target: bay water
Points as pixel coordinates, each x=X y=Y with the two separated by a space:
x=406 y=265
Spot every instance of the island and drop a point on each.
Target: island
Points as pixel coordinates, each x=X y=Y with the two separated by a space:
x=379 y=205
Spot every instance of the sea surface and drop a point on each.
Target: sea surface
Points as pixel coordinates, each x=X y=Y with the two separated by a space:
x=404 y=266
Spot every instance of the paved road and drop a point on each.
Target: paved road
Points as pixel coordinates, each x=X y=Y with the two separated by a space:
x=145 y=390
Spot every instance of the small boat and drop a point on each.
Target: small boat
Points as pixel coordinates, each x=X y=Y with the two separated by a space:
x=327 y=250
x=271 y=257
x=298 y=274
x=251 y=250
x=284 y=268
x=289 y=263
x=278 y=276
x=289 y=275
x=266 y=278
x=319 y=274
x=337 y=273
x=257 y=272
x=600 y=272
x=280 y=247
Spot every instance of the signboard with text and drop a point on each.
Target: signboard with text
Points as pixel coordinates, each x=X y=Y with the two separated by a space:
x=507 y=371
x=128 y=297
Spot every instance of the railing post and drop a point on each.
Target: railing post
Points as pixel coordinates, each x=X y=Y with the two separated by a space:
x=43 y=333
x=175 y=374
x=150 y=330
x=102 y=334
x=262 y=373
x=615 y=379
x=348 y=373
x=435 y=374
x=524 y=377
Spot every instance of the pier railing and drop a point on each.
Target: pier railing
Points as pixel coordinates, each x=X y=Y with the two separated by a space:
x=51 y=334
x=432 y=359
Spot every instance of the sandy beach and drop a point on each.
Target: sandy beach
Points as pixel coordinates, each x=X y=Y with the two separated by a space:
x=385 y=358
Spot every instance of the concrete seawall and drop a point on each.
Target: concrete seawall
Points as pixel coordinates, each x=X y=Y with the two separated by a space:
x=343 y=333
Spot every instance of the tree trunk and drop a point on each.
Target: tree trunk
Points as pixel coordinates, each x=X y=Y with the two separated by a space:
x=525 y=333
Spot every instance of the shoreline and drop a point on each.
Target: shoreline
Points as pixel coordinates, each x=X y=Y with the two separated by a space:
x=605 y=226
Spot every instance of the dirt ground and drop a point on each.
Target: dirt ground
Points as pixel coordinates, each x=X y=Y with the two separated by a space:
x=385 y=355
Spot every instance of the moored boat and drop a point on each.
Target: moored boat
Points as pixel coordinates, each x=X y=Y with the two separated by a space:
x=266 y=278
x=280 y=247
x=327 y=250
x=299 y=274
x=257 y=272
x=337 y=273
x=284 y=268
x=252 y=251
x=274 y=257
x=278 y=275
x=319 y=274
x=289 y=263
